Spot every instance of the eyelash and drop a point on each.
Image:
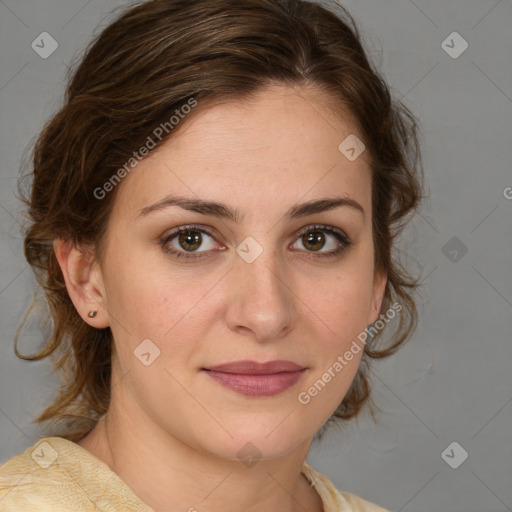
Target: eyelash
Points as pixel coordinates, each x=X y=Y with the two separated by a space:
x=344 y=241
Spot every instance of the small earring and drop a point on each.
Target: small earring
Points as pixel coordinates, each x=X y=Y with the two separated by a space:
x=92 y=314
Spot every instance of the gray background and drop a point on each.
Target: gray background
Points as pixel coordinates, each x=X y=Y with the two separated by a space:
x=452 y=381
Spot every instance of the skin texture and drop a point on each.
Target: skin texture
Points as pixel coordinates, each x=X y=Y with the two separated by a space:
x=172 y=433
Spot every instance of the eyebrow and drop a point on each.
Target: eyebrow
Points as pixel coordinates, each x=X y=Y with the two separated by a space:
x=224 y=211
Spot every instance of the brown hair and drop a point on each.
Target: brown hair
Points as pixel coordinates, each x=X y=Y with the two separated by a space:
x=149 y=62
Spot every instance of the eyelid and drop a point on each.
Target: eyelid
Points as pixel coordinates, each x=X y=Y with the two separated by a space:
x=322 y=227
x=191 y=227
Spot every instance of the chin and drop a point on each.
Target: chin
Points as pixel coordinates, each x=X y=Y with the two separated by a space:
x=250 y=444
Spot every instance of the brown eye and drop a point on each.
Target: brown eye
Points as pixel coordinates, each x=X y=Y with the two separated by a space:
x=319 y=237
x=190 y=240
x=185 y=242
x=313 y=240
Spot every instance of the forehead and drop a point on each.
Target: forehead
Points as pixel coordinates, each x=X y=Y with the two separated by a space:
x=275 y=148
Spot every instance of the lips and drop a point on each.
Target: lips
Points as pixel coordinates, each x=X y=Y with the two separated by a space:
x=256 y=379
x=255 y=368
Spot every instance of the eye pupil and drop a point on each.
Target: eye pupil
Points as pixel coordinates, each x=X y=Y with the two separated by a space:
x=190 y=238
x=314 y=238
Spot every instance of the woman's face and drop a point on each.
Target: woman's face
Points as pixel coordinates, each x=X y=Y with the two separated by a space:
x=261 y=286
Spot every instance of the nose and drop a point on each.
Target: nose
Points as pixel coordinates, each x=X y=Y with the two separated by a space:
x=261 y=299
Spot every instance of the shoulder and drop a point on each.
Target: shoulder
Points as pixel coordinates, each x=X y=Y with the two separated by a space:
x=33 y=480
x=58 y=475
x=334 y=500
x=358 y=504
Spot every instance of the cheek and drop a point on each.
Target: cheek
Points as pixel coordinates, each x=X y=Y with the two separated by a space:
x=148 y=300
x=344 y=319
x=342 y=305
x=135 y=296
x=346 y=298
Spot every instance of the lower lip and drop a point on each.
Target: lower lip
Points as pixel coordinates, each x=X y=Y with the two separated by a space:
x=257 y=385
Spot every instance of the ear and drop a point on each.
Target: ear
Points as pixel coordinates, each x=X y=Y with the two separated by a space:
x=84 y=282
x=379 y=287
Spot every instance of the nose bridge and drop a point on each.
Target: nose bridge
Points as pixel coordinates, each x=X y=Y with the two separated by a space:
x=262 y=300
x=265 y=274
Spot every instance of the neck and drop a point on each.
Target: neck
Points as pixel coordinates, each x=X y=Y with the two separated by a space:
x=169 y=474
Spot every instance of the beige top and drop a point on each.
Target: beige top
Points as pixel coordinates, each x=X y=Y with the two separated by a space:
x=57 y=475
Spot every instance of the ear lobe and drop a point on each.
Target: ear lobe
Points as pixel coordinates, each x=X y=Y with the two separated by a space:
x=84 y=281
x=379 y=288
